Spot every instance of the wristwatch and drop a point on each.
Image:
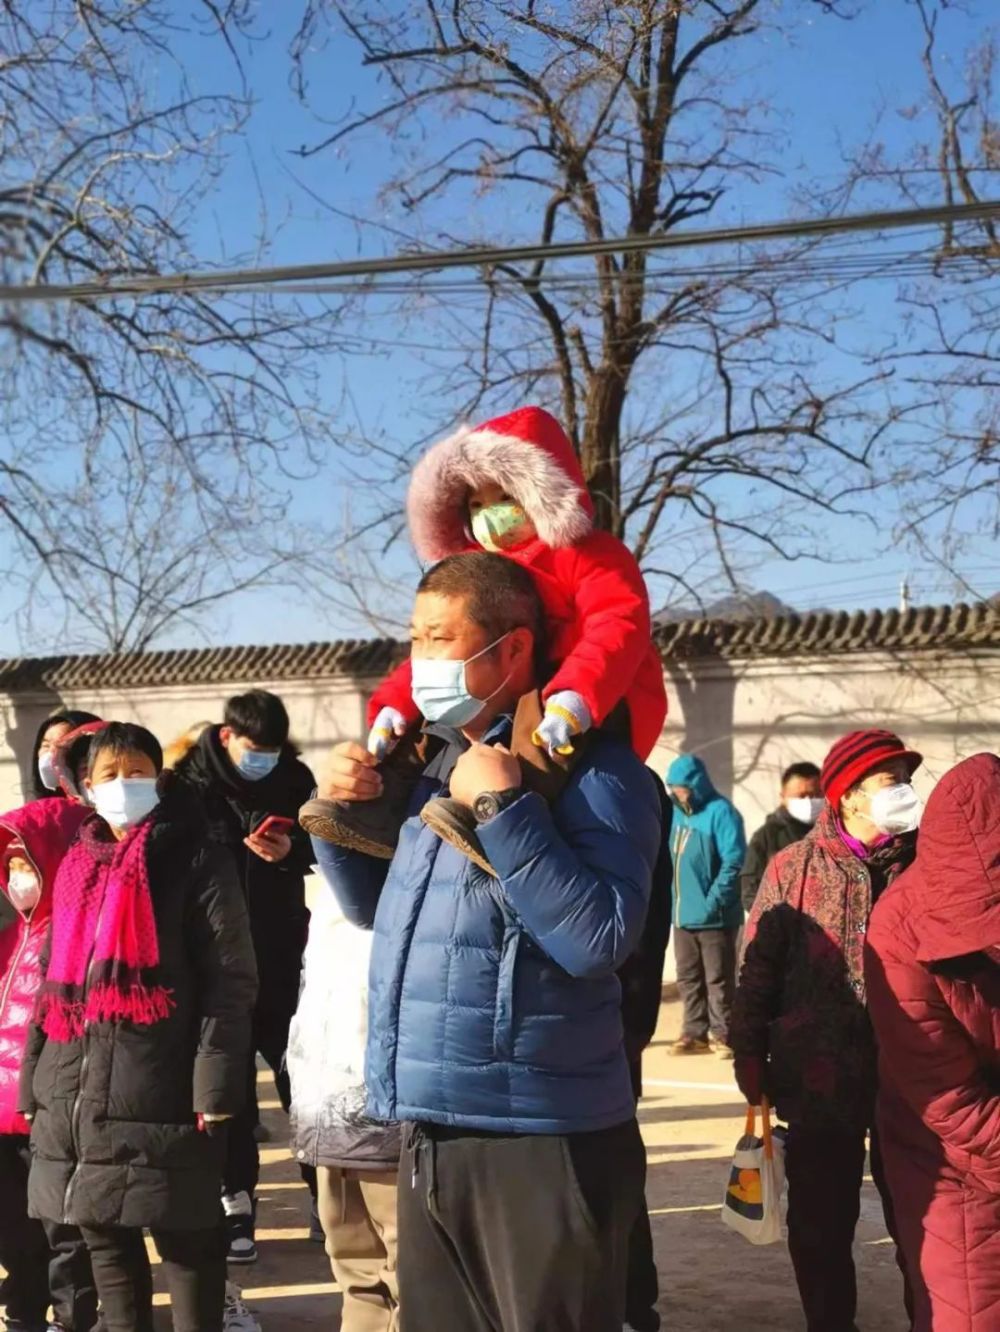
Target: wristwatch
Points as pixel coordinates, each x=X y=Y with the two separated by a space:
x=488 y=804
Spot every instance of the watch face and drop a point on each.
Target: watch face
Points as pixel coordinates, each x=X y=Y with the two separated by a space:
x=485 y=807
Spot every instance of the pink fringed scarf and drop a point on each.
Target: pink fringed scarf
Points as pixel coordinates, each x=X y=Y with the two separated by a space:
x=104 y=951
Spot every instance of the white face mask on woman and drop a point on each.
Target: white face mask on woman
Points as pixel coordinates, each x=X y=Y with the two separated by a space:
x=23 y=889
x=895 y=809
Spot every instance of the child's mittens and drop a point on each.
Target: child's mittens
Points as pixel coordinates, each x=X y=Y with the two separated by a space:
x=566 y=717
x=387 y=730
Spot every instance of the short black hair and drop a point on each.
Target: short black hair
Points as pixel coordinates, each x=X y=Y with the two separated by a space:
x=125 y=738
x=259 y=716
x=499 y=594
x=808 y=771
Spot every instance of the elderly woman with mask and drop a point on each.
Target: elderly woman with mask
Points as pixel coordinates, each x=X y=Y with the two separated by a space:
x=800 y=1029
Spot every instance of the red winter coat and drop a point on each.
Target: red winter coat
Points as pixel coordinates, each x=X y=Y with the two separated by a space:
x=595 y=598
x=46 y=827
x=933 y=968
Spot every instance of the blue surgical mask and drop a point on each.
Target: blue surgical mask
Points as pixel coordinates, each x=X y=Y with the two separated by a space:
x=440 y=692
x=47 y=770
x=256 y=764
x=125 y=801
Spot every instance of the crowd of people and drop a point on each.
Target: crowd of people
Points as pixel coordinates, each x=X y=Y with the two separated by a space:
x=457 y=1033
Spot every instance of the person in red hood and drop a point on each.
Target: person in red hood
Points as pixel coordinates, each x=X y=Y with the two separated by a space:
x=45 y=1264
x=932 y=965
x=514 y=486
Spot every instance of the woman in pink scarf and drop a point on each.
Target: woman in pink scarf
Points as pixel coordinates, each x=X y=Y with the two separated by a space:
x=139 y=1047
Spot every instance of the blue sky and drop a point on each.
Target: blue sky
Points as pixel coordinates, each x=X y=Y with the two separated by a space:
x=826 y=84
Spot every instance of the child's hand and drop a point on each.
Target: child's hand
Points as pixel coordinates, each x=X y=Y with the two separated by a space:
x=387 y=730
x=566 y=716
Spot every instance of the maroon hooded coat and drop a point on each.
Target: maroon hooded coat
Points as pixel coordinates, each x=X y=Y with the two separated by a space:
x=46 y=828
x=934 y=998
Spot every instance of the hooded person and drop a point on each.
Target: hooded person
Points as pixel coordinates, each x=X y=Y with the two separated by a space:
x=46 y=1264
x=708 y=846
x=514 y=486
x=140 y=1038
x=932 y=965
x=44 y=780
x=800 y=1031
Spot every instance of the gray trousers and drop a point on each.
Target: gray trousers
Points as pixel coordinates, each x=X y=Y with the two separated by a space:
x=706 y=980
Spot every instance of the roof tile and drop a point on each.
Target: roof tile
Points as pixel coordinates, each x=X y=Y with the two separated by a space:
x=817 y=633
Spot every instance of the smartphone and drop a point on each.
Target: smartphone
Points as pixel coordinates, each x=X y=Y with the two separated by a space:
x=272 y=825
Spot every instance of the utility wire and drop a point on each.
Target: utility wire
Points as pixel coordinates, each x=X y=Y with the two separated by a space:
x=487 y=257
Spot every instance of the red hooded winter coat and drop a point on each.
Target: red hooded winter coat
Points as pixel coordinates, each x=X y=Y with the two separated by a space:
x=46 y=828
x=595 y=598
x=934 y=998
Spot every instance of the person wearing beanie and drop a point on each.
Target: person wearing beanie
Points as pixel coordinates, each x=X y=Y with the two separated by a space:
x=800 y=1031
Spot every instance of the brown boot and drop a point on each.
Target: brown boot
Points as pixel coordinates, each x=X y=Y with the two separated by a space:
x=372 y=826
x=456 y=825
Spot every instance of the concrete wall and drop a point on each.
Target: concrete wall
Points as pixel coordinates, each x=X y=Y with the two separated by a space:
x=747 y=719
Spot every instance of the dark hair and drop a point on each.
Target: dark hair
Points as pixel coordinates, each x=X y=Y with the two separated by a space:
x=259 y=716
x=71 y=717
x=125 y=738
x=808 y=771
x=499 y=594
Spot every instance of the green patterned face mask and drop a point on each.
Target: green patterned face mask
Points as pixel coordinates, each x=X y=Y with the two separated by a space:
x=501 y=526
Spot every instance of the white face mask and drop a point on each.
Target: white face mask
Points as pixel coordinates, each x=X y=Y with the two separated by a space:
x=23 y=889
x=896 y=809
x=125 y=801
x=47 y=770
x=806 y=809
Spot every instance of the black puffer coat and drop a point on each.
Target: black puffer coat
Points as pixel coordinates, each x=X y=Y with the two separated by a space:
x=115 y=1140
x=275 y=894
x=777 y=831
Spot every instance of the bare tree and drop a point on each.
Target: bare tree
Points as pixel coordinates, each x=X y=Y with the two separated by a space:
x=952 y=349
x=692 y=389
x=145 y=441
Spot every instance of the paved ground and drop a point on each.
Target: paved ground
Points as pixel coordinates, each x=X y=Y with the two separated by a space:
x=712 y=1281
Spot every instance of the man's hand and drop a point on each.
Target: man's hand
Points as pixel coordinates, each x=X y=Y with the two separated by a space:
x=484 y=768
x=272 y=847
x=350 y=774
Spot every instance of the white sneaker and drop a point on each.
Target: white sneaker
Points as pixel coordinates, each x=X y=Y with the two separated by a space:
x=236 y=1317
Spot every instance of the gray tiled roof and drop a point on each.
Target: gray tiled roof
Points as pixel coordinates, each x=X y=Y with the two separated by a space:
x=821 y=634
x=826 y=633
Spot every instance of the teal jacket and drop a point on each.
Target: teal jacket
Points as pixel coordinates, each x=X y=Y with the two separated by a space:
x=708 y=846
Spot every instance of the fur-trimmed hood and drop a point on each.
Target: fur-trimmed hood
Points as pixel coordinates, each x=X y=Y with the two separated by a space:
x=528 y=454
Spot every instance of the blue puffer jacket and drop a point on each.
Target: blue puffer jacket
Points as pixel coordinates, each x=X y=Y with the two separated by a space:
x=493 y=1003
x=708 y=846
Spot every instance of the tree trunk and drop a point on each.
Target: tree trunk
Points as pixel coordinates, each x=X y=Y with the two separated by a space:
x=599 y=446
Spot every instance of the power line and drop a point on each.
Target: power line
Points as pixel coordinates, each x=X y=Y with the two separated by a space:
x=489 y=257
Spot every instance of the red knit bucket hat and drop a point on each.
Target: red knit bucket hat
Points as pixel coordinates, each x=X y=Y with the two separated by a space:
x=853 y=756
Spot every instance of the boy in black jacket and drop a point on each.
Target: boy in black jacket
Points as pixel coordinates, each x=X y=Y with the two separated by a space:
x=243 y=771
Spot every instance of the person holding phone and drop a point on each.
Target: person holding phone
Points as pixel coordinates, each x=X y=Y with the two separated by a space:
x=251 y=784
